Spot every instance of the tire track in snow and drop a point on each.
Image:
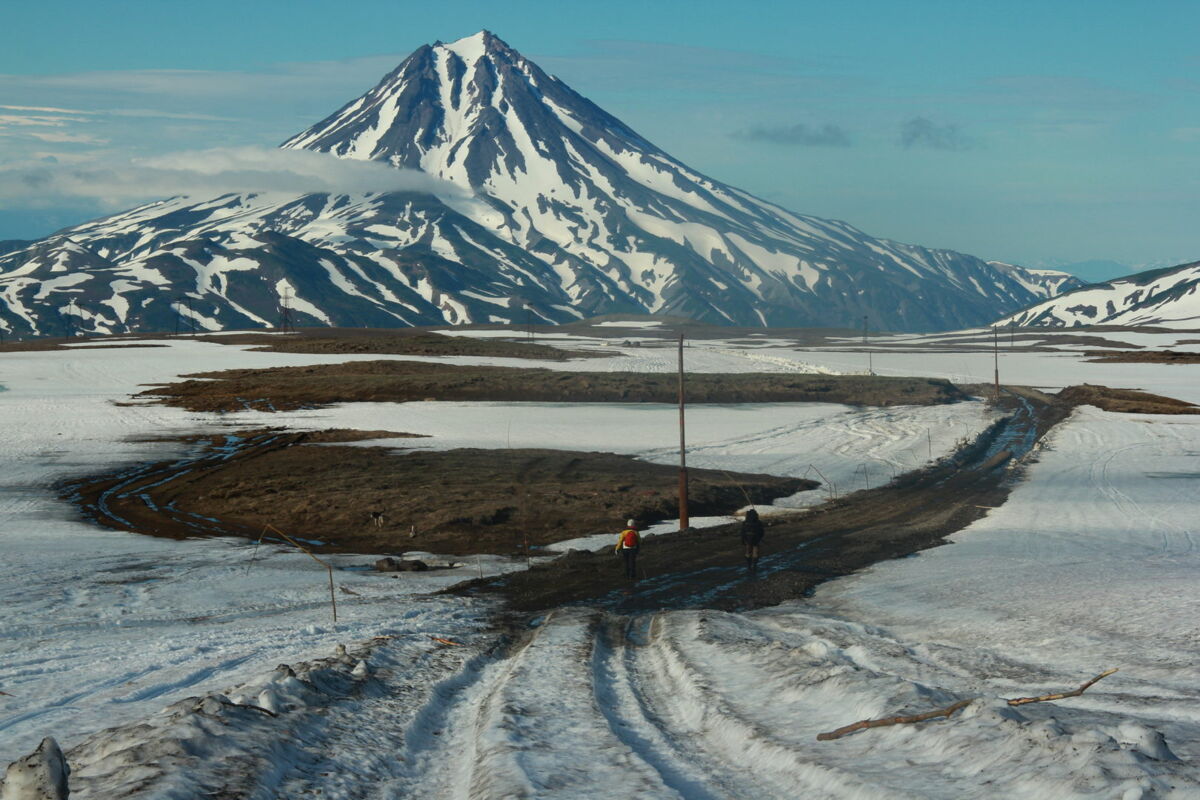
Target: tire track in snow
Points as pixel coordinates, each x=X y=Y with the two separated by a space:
x=704 y=722
x=633 y=720
x=527 y=727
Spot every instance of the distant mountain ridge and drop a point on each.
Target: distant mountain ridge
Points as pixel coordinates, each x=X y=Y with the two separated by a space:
x=1168 y=297
x=574 y=215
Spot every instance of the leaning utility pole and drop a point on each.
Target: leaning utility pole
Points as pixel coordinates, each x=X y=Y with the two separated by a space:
x=683 y=476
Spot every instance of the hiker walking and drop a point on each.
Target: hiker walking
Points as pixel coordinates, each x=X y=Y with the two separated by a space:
x=752 y=534
x=628 y=544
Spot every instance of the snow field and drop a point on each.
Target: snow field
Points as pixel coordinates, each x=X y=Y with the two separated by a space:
x=103 y=627
x=131 y=623
x=1090 y=564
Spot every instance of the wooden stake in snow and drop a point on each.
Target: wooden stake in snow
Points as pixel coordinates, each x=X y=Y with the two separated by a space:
x=684 y=521
x=950 y=709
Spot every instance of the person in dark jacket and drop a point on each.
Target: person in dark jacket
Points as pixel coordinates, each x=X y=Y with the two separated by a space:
x=629 y=541
x=752 y=534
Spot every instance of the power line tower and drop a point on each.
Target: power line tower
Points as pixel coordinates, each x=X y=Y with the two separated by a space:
x=68 y=320
x=286 y=324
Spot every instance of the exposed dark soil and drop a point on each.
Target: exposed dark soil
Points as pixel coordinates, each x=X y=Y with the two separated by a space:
x=1144 y=357
x=706 y=568
x=284 y=388
x=39 y=345
x=1128 y=401
x=403 y=341
x=458 y=501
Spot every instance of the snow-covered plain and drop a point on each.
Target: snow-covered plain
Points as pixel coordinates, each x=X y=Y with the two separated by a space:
x=1090 y=564
x=130 y=622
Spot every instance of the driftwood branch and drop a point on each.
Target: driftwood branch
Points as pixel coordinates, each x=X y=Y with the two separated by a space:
x=950 y=709
x=879 y=723
x=1020 y=701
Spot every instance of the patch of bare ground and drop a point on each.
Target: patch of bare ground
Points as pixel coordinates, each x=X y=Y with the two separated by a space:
x=402 y=341
x=1143 y=357
x=284 y=388
x=42 y=345
x=458 y=501
x=1128 y=401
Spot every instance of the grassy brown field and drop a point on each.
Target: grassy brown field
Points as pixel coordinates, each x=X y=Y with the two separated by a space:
x=403 y=381
x=402 y=341
x=1128 y=401
x=456 y=501
x=1143 y=357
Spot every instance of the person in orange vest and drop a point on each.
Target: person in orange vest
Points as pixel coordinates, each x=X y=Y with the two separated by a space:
x=629 y=541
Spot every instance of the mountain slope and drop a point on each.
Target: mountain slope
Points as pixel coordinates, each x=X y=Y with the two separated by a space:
x=1045 y=283
x=1167 y=297
x=573 y=214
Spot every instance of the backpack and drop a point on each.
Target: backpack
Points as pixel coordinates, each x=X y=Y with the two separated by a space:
x=629 y=539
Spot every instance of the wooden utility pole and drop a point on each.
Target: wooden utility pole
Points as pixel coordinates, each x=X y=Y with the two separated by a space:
x=866 y=342
x=683 y=476
x=996 y=355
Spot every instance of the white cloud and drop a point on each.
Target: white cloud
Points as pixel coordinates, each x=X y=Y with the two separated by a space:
x=66 y=137
x=205 y=173
x=36 y=120
x=45 y=109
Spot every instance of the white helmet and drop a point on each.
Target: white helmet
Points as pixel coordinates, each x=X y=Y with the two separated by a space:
x=630 y=523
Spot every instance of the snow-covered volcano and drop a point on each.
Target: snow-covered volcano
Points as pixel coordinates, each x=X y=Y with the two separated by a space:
x=1168 y=297
x=574 y=214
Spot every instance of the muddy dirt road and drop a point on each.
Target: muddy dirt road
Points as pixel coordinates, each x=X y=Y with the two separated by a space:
x=706 y=568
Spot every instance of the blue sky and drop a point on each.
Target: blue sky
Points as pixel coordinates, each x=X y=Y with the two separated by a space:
x=1039 y=133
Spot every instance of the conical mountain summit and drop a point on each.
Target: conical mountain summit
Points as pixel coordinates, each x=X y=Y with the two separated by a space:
x=574 y=214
